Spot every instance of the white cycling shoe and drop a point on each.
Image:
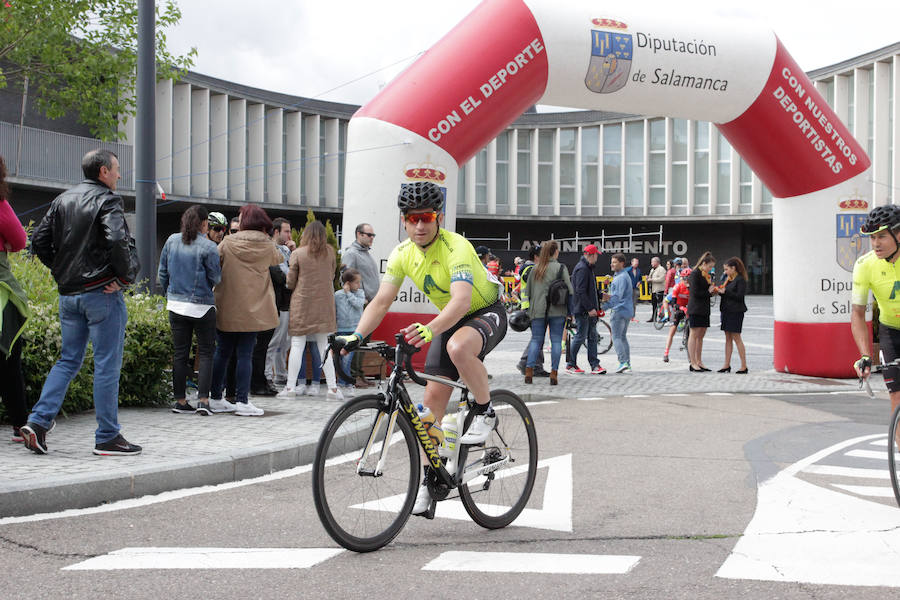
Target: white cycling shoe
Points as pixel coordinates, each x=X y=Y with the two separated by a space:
x=423 y=500
x=480 y=429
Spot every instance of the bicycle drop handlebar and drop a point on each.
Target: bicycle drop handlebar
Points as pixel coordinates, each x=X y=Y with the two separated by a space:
x=400 y=353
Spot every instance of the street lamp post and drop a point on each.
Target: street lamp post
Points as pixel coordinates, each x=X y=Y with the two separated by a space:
x=145 y=143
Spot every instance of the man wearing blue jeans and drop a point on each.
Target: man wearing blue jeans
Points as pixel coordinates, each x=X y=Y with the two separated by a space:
x=85 y=242
x=619 y=300
x=584 y=307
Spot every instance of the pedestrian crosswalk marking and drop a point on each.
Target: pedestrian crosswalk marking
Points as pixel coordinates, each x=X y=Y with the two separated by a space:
x=867 y=490
x=525 y=562
x=555 y=514
x=847 y=472
x=207 y=558
x=880 y=455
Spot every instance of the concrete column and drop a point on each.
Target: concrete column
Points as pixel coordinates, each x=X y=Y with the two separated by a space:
x=895 y=168
x=646 y=189
x=274 y=154
x=237 y=149
x=471 y=187
x=882 y=134
x=555 y=169
x=218 y=146
x=670 y=136
x=842 y=98
x=256 y=138
x=578 y=170
x=713 y=169
x=491 y=177
x=164 y=147
x=332 y=165
x=735 y=182
x=691 y=161
x=513 y=171
x=533 y=196
x=200 y=142
x=861 y=107
x=756 y=189
x=312 y=160
x=293 y=128
x=181 y=139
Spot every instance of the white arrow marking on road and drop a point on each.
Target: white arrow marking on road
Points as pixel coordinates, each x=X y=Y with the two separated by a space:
x=522 y=562
x=868 y=454
x=847 y=472
x=806 y=533
x=555 y=515
x=207 y=558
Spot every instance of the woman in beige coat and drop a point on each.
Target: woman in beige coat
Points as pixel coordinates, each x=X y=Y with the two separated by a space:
x=245 y=304
x=311 y=276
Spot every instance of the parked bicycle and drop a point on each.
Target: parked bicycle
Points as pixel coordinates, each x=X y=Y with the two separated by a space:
x=604 y=337
x=364 y=491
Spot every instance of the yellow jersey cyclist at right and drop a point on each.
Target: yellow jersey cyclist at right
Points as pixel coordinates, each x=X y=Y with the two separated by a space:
x=878 y=271
x=472 y=321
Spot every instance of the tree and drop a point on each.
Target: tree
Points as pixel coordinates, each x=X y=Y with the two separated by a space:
x=81 y=56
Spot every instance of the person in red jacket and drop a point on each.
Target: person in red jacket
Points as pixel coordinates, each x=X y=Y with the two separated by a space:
x=15 y=311
x=679 y=295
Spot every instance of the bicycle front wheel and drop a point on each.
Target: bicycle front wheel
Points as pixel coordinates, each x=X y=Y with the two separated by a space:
x=894 y=453
x=495 y=498
x=604 y=337
x=360 y=509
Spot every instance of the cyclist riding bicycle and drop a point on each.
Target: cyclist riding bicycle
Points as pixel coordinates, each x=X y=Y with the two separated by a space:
x=472 y=321
x=679 y=295
x=879 y=271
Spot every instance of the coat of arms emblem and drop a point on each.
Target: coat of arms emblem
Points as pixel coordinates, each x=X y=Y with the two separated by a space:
x=611 y=53
x=850 y=244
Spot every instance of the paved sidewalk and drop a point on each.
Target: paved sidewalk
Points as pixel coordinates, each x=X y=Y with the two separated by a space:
x=183 y=451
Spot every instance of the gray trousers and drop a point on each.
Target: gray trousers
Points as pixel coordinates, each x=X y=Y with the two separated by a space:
x=276 y=355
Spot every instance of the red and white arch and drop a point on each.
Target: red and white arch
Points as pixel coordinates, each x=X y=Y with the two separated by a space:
x=510 y=54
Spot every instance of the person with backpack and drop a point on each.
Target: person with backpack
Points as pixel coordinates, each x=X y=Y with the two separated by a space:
x=524 y=269
x=549 y=291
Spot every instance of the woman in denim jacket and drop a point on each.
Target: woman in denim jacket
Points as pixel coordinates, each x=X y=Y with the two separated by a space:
x=188 y=270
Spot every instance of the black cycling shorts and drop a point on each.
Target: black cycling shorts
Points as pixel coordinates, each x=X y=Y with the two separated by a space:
x=490 y=322
x=890 y=347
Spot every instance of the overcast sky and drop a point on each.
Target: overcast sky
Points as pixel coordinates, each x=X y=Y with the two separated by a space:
x=316 y=48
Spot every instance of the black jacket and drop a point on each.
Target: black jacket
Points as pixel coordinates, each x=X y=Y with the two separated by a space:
x=84 y=240
x=585 y=285
x=733 y=297
x=698 y=303
x=282 y=294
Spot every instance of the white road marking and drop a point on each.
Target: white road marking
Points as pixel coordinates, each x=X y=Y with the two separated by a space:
x=868 y=454
x=847 y=472
x=590 y=399
x=719 y=394
x=555 y=514
x=675 y=395
x=207 y=558
x=803 y=532
x=637 y=396
x=868 y=490
x=879 y=443
x=706 y=339
x=522 y=562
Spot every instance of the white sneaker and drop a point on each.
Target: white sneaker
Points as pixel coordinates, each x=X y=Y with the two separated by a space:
x=480 y=429
x=335 y=394
x=246 y=409
x=221 y=406
x=423 y=500
x=311 y=390
x=287 y=393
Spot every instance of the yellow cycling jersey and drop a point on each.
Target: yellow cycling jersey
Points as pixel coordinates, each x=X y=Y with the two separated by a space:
x=883 y=278
x=449 y=258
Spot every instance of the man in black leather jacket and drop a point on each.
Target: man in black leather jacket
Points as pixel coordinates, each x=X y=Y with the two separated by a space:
x=85 y=242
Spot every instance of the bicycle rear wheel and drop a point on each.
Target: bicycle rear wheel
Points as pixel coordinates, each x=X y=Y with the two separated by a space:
x=495 y=499
x=604 y=337
x=359 y=510
x=894 y=453
x=660 y=319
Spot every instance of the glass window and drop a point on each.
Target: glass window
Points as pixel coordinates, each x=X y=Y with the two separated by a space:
x=523 y=168
x=545 y=185
x=502 y=170
x=679 y=185
x=342 y=159
x=612 y=138
x=545 y=145
x=723 y=180
x=481 y=178
x=590 y=144
x=701 y=168
x=567 y=169
x=612 y=168
x=657 y=169
x=461 y=190
x=829 y=92
x=679 y=140
x=612 y=200
x=658 y=134
x=634 y=185
x=701 y=200
x=724 y=148
x=766 y=203
x=567 y=140
x=503 y=146
x=589 y=185
x=701 y=135
x=634 y=142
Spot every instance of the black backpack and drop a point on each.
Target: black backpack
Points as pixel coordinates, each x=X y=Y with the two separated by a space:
x=558 y=293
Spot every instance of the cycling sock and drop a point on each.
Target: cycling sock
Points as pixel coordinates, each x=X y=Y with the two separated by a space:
x=480 y=409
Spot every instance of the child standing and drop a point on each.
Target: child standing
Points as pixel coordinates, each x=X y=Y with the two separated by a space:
x=349 y=301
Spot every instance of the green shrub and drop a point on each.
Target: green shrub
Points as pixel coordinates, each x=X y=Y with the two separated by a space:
x=147 y=359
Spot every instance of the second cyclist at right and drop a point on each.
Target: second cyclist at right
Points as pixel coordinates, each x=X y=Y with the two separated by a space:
x=879 y=272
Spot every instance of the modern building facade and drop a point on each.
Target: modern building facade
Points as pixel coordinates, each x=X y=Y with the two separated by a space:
x=641 y=184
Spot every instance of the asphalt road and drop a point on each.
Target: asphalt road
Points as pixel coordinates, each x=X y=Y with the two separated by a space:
x=680 y=496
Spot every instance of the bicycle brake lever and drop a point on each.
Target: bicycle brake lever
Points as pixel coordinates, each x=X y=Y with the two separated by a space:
x=869 y=391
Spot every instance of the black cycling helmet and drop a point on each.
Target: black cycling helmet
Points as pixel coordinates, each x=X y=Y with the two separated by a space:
x=422 y=194
x=519 y=320
x=880 y=218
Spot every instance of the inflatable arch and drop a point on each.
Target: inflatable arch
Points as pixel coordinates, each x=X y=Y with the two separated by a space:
x=510 y=54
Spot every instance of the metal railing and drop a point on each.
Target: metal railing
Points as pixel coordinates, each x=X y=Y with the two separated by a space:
x=51 y=156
